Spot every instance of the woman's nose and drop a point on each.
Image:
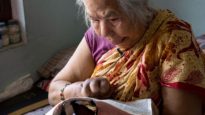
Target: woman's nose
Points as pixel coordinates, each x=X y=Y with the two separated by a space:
x=105 y=29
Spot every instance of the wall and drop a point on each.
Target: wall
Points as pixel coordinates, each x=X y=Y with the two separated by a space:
x=189 y=10
x=51 y=25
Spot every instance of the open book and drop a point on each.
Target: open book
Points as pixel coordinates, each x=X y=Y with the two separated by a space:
x=107 y=107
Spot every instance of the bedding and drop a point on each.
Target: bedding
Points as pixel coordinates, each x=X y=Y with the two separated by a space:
x=201 y=41
x=55 y=63
x=51 y=67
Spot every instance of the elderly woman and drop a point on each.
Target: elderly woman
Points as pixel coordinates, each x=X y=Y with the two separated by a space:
x=132 y=52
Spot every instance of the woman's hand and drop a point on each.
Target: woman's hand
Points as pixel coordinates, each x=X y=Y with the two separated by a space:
x=98 y=88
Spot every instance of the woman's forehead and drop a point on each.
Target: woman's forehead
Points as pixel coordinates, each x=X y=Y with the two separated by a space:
x=103 y=8
x=101 y=3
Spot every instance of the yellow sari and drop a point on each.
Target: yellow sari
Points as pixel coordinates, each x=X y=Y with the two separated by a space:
x=167 y=55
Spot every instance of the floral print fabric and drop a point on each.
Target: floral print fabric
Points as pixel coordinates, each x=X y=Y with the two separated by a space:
x=167 y=55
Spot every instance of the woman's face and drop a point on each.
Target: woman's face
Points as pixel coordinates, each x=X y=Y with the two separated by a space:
x=110 y=22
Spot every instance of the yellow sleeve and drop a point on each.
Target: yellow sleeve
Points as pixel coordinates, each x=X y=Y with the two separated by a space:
x=183 y=63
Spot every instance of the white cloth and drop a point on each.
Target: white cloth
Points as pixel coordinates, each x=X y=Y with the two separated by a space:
x=138 y=107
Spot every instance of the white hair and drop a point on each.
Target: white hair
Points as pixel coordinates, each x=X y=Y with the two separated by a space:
x=136 y=10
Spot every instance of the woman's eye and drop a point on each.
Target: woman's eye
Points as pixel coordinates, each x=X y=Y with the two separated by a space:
x=94 y=20
x=114 y=19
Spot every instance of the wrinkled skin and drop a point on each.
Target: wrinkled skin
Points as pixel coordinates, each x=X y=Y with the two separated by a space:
x=97 y=87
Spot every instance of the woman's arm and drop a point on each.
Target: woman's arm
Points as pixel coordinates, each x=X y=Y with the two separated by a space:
x=79 y=67
x=179 y=102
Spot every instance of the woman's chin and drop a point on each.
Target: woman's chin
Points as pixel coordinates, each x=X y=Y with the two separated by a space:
x=124 y=46
x=118 y=42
